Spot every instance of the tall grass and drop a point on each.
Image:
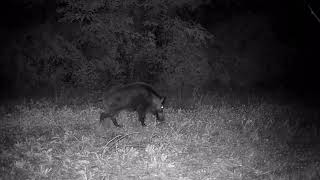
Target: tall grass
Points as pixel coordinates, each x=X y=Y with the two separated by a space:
x=214 y=138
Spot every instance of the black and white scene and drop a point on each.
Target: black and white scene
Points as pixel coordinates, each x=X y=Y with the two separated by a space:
x=160 y=89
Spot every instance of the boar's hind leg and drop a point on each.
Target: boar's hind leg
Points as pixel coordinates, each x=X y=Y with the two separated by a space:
x=104 y=115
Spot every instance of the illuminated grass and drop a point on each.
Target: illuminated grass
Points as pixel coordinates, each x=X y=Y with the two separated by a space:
x=40 y=140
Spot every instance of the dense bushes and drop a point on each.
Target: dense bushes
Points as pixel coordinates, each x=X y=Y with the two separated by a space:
x=96 y=44
x=99 y=43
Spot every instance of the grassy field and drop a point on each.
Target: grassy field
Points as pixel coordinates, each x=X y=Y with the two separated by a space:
x=211 y=137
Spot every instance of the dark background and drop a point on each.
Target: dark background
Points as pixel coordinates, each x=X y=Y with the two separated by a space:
x=275 y=45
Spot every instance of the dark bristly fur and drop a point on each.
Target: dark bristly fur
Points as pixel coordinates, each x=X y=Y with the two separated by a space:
x=139 y=97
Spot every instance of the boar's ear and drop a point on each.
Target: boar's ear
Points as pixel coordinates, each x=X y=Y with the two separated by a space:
x=163 y=100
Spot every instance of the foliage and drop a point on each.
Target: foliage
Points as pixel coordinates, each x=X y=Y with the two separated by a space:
x=99 y=43
x=40 y=57
x=137 y=40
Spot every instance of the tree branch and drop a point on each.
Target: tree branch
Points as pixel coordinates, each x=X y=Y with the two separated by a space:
x=312 y=12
